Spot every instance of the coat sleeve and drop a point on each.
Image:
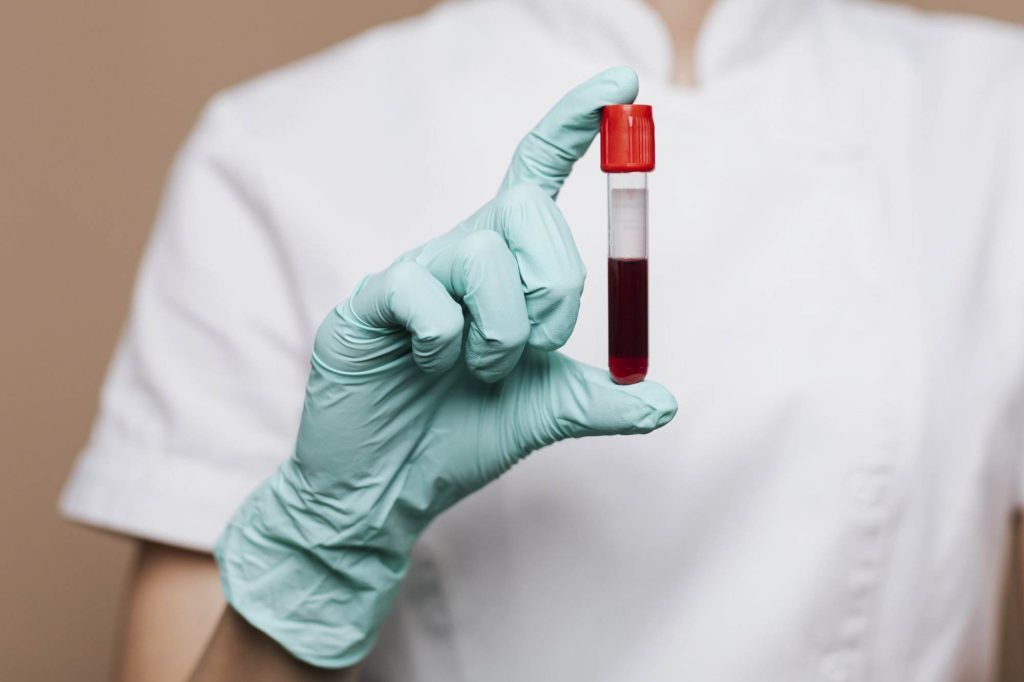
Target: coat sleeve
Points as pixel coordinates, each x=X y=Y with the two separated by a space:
x=203 y=395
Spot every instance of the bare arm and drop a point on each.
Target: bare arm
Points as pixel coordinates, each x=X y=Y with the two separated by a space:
x=238 y=651
x=172 y=607
x=175 y=612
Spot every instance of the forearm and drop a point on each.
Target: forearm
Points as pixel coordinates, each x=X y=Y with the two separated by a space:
x=172 y=606
x=238 y=651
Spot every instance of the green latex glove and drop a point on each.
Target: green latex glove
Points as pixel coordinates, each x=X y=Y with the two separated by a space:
x=430 y=381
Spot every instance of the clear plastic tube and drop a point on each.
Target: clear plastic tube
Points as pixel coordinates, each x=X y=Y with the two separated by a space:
x=627 y=277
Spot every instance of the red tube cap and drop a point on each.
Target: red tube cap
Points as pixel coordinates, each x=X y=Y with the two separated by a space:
x=627 y=138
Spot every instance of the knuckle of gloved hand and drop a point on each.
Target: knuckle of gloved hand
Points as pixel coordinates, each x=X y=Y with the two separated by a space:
x=561 y=289
x=555 y=307
x=443 y=325
x=482 y=246
x=442 y=318
x=402 y=275
x=517 y=334
x=501 y=339
x=520 y=197
x=554 y=331
x=328 y=334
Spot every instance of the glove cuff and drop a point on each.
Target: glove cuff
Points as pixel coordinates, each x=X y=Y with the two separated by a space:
x=320 y=590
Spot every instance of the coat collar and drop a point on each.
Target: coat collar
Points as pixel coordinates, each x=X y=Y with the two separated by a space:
x=735 y=32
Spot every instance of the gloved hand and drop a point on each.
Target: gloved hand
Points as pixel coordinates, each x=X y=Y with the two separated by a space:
x=430 y=381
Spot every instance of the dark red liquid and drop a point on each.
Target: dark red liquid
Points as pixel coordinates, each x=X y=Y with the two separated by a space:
x=627 y=319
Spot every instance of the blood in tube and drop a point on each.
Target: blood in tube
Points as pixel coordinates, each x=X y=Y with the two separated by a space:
x=627 y=154
x=627 y=319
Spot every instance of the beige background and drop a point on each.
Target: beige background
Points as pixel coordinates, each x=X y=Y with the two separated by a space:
x=94 y=99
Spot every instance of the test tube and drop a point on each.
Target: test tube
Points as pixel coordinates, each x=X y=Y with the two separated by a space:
x=627 y=155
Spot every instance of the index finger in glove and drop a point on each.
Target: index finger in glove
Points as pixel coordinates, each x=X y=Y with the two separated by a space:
x=546 y=155
x=550 y=267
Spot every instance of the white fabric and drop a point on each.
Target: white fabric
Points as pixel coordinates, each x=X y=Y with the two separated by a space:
x=837 y=302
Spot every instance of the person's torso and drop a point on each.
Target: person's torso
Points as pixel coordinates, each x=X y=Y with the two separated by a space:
x=828 y=304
